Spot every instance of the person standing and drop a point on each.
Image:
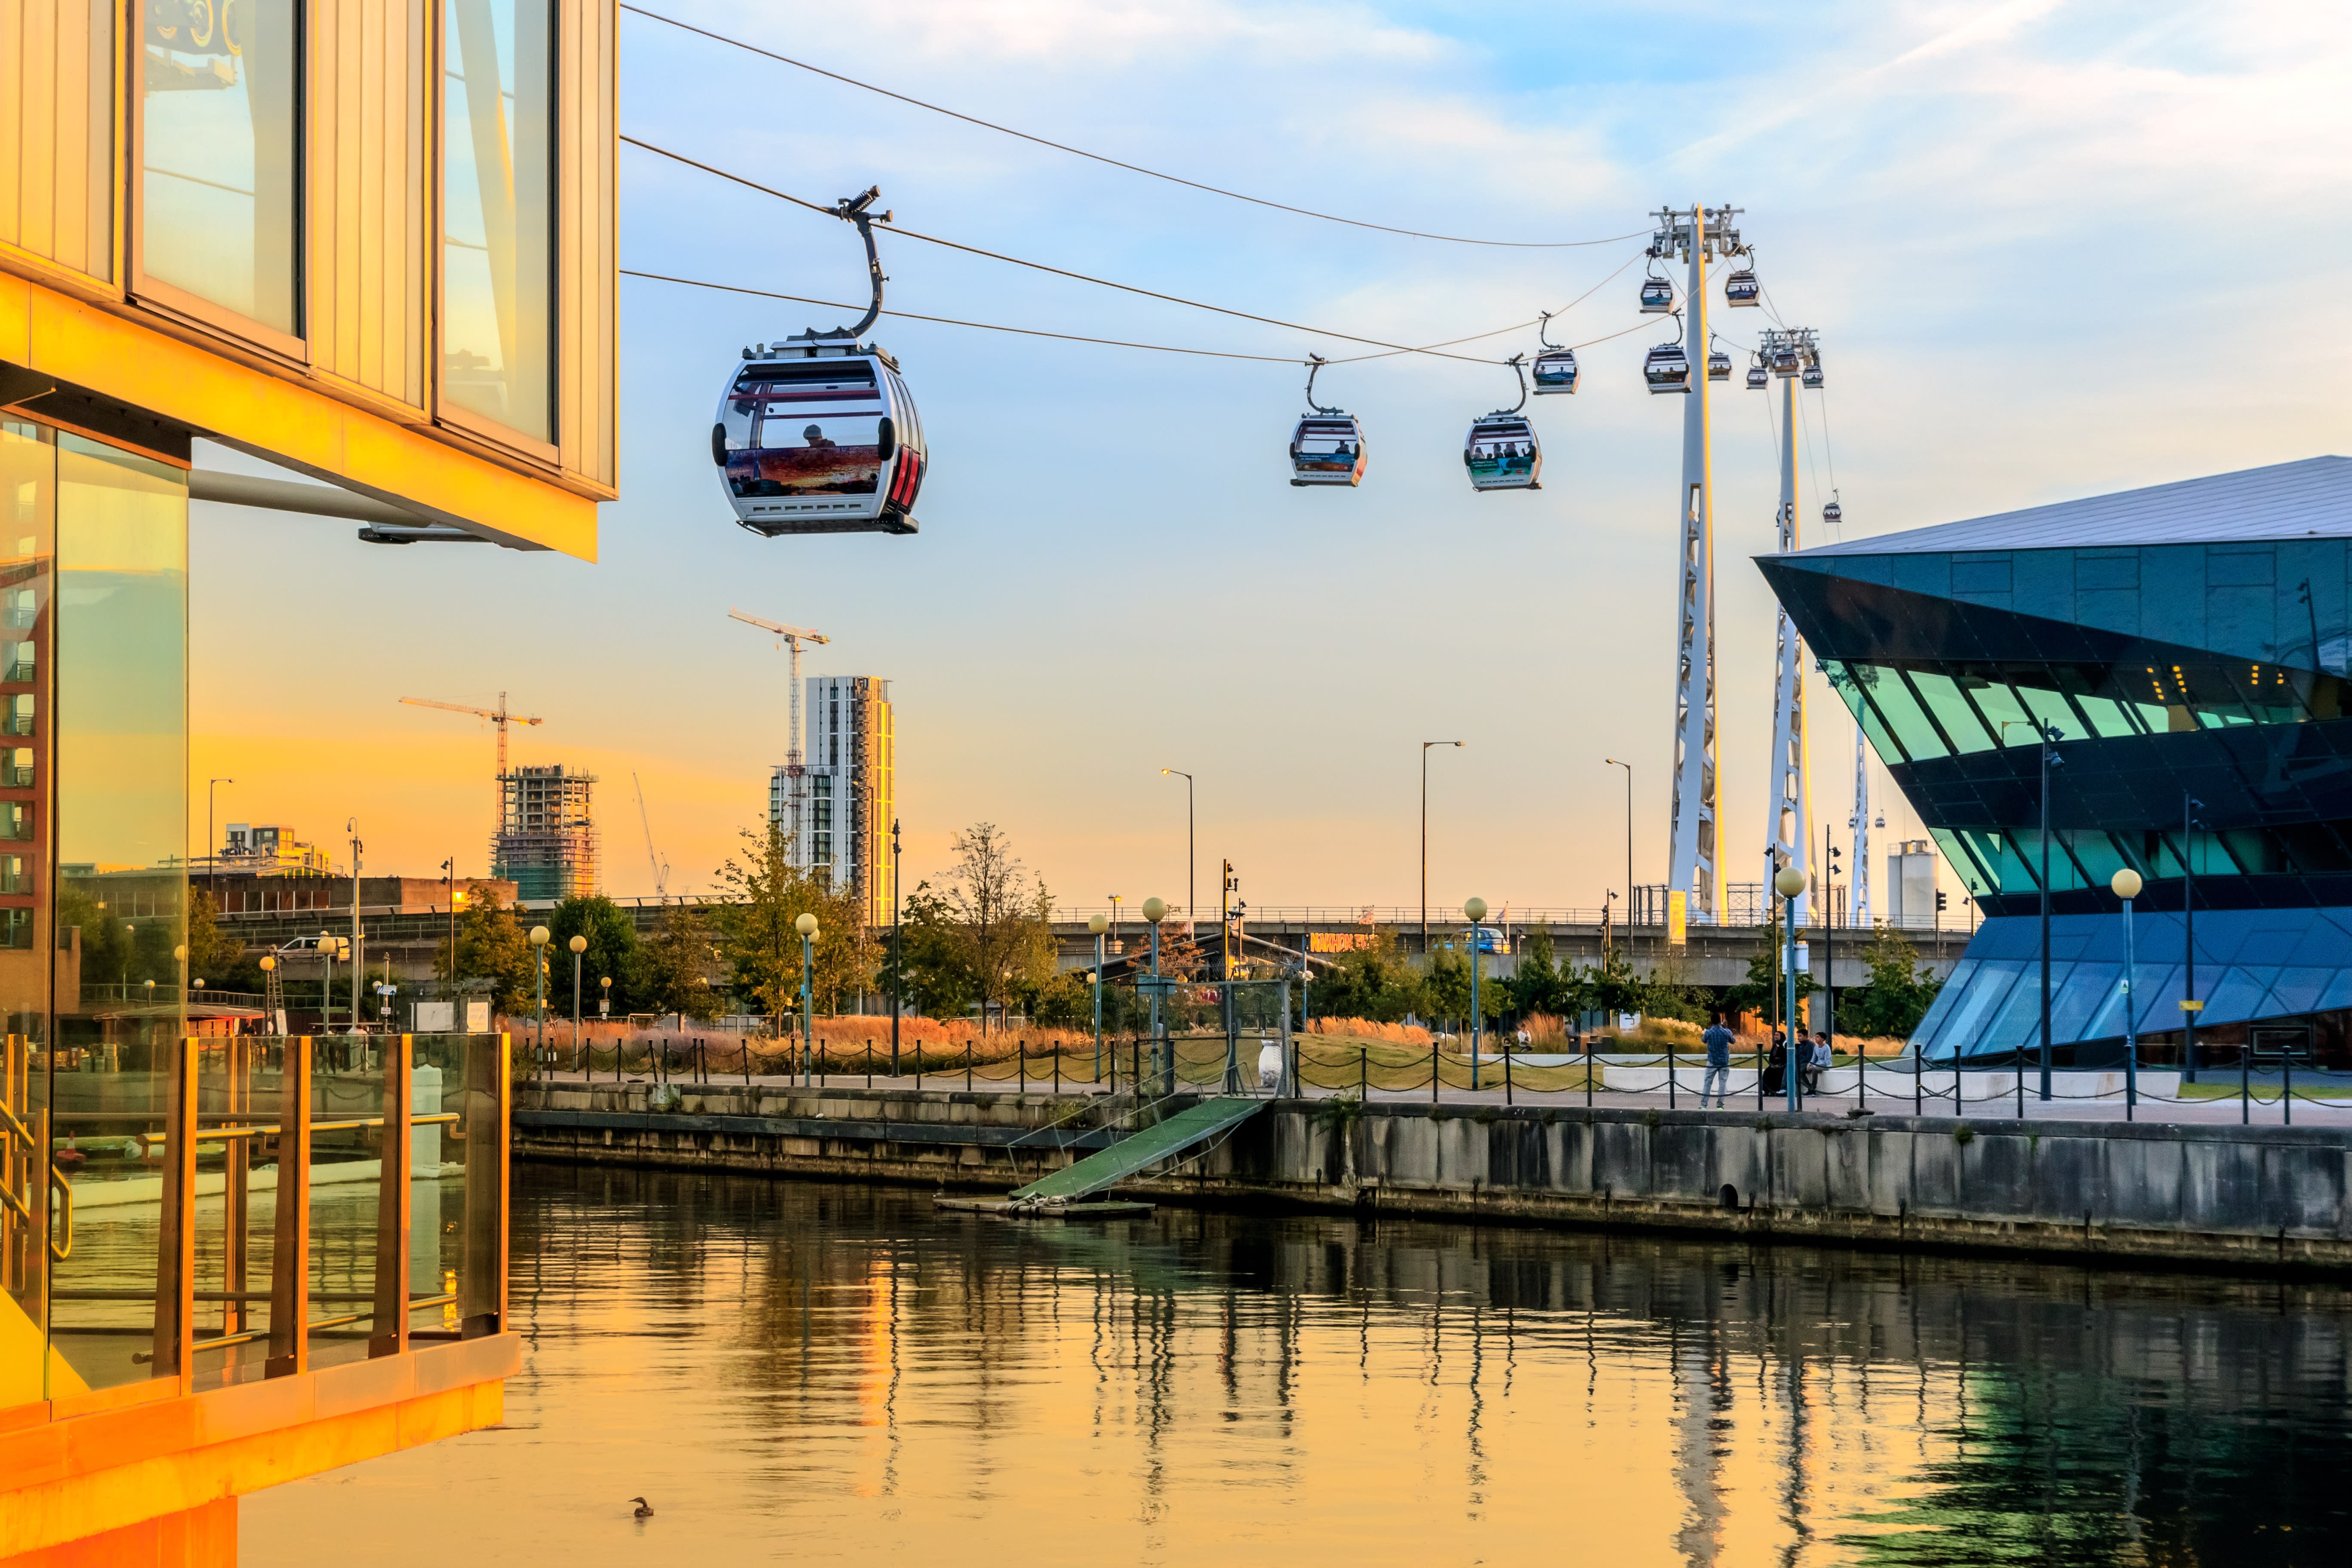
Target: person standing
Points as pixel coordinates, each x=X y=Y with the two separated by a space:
x=1718 y=1041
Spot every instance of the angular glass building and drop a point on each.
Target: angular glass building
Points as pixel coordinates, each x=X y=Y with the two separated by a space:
x=2192 y=645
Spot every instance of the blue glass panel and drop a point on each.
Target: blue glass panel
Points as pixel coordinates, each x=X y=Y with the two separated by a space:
x=2017 y=1023
x=2237 y=995
x=1987 y=989
x=2088 y=990
x=2337 y=994
x=1962 y=727
x=2157 y=988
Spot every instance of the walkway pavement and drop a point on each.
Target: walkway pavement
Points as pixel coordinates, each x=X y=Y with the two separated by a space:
x=2330 y=1104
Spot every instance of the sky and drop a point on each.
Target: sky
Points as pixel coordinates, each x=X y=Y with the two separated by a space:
x=2052 y=250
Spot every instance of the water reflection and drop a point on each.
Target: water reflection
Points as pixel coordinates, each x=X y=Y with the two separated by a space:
x=838 y=1372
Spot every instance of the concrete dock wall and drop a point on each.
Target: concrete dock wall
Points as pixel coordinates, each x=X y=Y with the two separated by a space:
x=2260 y=1196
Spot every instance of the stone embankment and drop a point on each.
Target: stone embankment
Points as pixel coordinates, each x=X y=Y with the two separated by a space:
x=2251 y=1196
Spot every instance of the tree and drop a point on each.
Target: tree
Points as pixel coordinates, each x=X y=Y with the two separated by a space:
x=673 y=968
x=765 y=894
x=1899 y=993
x=214 y=957
x=1763 y=993
x=491 y=946
x=612 y=951
x=929 y=969
x=1375 y=984
x=1005 y=917
x=1066 y=1002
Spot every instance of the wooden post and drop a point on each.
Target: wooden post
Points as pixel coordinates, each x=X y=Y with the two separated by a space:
x=289 y=1264
x=392 y=1203
x=488 y=1099
x=175 y=1244
x=237 y=1166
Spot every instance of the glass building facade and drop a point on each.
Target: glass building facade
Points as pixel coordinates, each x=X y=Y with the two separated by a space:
x=2190 y=648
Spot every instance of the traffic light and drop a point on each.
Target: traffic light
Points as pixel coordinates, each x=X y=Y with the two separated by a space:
x=1939 y=902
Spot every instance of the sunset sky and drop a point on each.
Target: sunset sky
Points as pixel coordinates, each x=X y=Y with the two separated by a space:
x=2052 y=250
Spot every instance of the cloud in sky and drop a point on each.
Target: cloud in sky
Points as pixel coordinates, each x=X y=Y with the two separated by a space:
x=2053 y=249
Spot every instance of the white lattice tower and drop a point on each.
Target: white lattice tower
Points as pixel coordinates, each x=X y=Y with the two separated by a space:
x=1698 y=234
x=1788 y=827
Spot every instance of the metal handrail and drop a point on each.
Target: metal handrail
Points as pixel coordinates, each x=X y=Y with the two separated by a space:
x=57 y=1184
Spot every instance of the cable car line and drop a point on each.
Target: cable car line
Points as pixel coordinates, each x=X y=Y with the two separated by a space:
x=952 y=322
x=1057 y=271
x=1114 y=163
x=1106 y=343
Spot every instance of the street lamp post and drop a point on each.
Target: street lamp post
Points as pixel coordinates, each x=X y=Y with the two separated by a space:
x=806 y=926
x=1425 y=838
x=897 y=953
x=1790 y=883
x=1097 y=924
x=2189 y=1006
x=1181 y=773
x=1155 y=909
x=2126 y=884
x=2047 y=739
x=578 y=945
x=1477 y=910
x=539 y=936
x=1629 y=853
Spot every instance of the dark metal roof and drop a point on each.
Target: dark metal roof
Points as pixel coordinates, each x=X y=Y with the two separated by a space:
x=2309 y=498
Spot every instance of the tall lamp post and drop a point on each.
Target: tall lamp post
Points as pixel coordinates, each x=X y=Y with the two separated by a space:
x=2125 y=884
x=2189 y=1006
x=898 y=954
x=1790 y=883
x=578 y=945
x=806 y=926
x=1097 y=924
x=1477 y=910
x=1629 y=853
x=539 y=935
x=1181 y=773
x=2048 y=739
x=1424 y=837
x=1155 y=909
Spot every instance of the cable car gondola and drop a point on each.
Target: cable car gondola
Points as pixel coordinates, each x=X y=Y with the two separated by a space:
x=1811 y=378
x=1832 y=514
x=1783 y=357
x=817 y=434
x=1501 y=450
x=1668 y=368
x=1555 y=368
x=1657 y=295
x=1327 y=446
x=1719 y=365
x=1757 y=377
x=1741 y=290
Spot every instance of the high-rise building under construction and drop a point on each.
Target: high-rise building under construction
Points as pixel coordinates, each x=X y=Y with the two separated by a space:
x=546 y=843
x=847 y=790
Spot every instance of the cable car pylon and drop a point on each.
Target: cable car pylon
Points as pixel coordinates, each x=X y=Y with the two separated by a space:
x=1789 y=828
x=1699 y=234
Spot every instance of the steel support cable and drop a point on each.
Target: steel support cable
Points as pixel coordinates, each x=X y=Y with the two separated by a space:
x=1114 y=163
x=1056 y=271
x=1127 y=343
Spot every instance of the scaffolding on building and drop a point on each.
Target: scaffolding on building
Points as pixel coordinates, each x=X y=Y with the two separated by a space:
x=546 y=843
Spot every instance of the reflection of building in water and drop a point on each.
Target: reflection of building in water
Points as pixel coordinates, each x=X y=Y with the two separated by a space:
x=1181 y=1384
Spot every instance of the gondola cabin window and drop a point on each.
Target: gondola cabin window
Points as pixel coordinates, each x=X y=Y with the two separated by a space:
x=812 y=429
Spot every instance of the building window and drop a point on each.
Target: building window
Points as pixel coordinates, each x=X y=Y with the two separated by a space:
x=17 y=928
x=219 y=206
x=821 y=821
x=497 y=277
x=13 y=876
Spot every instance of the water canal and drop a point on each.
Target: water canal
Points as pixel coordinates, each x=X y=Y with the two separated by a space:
x=828 y=1373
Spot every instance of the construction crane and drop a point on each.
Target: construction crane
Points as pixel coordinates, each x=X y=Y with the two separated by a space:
x=652 y=856
x=497 y=716
x=795 y=768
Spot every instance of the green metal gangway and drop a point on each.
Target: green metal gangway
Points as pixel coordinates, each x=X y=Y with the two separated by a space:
x=1194 y=1124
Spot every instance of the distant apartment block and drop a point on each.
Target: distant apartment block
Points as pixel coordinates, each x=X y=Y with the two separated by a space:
x=546 y=844
x=848 y=791
x=259 y=849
